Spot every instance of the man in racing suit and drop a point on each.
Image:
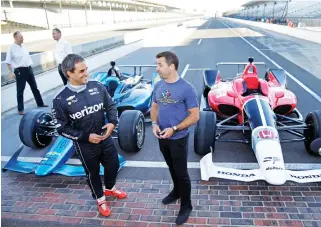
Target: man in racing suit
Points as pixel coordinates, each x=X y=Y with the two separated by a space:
x=79 y=113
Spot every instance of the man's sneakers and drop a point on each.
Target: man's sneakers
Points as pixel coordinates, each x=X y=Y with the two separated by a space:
x=103 y=207
x=115 y=193
x=102 y=203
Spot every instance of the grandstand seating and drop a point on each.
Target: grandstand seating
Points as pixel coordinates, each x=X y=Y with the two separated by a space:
x=74 y=13
x=296 y=9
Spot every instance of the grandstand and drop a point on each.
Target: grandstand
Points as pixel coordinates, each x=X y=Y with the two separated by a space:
x=277 y=9
x=48 y=14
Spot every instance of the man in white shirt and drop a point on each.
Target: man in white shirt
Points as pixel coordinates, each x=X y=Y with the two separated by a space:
x=19 y=64
x=63 y=48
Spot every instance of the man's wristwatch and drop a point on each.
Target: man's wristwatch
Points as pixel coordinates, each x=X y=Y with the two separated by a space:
x=175 y=128
x=154 y=123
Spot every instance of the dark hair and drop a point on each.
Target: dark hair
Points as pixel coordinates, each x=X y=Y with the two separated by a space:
x=170 y=57
x=112 y=63
x=69 y=62
x=57 y=30
x=15 y=34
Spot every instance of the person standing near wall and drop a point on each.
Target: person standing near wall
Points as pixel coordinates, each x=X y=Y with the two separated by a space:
x=19 y=64
x=63 y=48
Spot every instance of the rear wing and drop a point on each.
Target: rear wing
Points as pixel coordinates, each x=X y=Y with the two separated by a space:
x=238 y=64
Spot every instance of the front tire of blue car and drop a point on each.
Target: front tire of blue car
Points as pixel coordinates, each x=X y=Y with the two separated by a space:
x=28 y=128
x=131 y=130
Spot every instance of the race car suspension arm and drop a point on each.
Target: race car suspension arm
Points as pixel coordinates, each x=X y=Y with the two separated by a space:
x=291 y=129
x=220 y=125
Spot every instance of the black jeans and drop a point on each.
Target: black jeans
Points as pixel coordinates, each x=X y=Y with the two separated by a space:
x=62 y=75
x=23 y=75
x=175 y=155
x=91 y=155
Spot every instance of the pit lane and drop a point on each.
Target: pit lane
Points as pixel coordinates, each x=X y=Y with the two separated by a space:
x=218 y=44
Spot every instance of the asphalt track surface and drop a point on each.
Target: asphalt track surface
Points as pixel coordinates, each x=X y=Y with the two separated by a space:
x=212 y=42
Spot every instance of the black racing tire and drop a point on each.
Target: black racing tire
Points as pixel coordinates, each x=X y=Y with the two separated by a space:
x=314 y=131
x=28 y=130
x=204 y=133
x=131 y=130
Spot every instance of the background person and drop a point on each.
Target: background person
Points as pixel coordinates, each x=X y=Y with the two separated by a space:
x=19 y=64
x=63 y=48
x=174 y=109
x=114 y=70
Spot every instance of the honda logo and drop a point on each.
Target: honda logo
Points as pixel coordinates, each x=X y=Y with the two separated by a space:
x=266 y=134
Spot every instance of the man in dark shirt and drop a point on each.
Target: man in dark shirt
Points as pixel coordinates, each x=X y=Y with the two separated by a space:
x=175 y=108
x=79 y=114
x=114 y=70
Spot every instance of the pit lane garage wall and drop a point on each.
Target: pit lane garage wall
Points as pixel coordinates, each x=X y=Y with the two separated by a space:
x=313 y=36
x=96 y=54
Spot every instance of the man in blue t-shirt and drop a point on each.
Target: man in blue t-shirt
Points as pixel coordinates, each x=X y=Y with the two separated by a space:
x=175 y=108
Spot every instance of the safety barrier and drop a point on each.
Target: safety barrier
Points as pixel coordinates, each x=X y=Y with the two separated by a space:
x=313 y=36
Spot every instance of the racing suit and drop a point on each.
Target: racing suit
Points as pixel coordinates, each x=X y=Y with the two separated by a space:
x=80 y=111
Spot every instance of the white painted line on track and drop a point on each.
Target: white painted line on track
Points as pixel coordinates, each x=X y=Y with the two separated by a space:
x=184 y=71
x=277 y=65
x=190 y=165
x=199 y=42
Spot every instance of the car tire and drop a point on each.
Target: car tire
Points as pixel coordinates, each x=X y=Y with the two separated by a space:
x=204 y=133
x=313 y=132
x=131 y=130
x=28 y=130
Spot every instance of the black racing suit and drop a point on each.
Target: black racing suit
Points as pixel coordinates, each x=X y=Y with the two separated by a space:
x=78 y=112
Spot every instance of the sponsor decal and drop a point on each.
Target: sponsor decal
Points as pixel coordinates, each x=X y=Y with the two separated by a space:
x=71 y=99
x=52 y=153
x=93 y=91
x=274 y=168
x=266 y=134
x=306 y=177
x=271 y=159
x=235 y=174
x=86 y=111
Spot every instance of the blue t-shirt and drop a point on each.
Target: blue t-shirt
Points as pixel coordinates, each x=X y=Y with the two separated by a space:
x=174 y=100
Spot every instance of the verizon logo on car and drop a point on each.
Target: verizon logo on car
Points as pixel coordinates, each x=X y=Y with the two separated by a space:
x=87 y=111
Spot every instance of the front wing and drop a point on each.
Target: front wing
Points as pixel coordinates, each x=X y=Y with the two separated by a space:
x=67 y=170
x=209 y=170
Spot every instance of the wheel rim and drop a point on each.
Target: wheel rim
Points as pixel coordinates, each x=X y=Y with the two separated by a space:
x=41 y=139
x=140 y=132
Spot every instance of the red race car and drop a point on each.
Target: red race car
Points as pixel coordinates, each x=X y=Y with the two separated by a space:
x=258 y=108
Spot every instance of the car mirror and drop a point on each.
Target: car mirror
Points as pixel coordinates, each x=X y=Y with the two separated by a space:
x=232 y=94
x=279 y=94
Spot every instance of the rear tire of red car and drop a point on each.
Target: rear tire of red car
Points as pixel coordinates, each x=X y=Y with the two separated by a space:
x=204 y=133
x=313 y=132
x=28 y=129
x=131 y=130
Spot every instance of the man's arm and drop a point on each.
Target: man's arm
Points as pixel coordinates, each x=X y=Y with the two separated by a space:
x=153 y=112
x=193 y=117
x=192 y=104
x=60 y=118
x=110 y=107
x=68 y=48
x=154 y=108
x=8 y=61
